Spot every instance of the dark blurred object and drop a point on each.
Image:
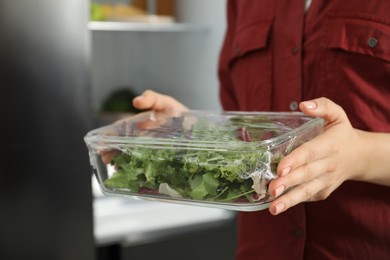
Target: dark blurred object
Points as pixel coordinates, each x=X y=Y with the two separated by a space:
x=118 y=105
x=45 y=187
x=120 y=101
x=216 y=242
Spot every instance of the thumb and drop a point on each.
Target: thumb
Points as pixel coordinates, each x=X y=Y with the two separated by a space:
x=158 y=102
x=324 y=108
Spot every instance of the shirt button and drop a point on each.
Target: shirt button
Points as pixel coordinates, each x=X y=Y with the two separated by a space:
x=372 y=42
x=298 y=232
x=293 y=106
x=238 y=50
x=295 y=50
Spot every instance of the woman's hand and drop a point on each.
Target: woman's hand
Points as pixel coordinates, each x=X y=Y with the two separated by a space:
x=155 y=101
x=149 y=100
x=316 y=168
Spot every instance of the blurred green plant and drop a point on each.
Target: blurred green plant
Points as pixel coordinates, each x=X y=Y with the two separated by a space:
x=120 y=101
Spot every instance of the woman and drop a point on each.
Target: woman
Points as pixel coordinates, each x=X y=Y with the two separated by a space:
x=275 y=55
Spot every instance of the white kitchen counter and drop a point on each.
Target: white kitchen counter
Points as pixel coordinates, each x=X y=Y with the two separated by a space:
x=129 y=222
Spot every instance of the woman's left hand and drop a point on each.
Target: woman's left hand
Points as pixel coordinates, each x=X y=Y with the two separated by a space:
x=316 y=168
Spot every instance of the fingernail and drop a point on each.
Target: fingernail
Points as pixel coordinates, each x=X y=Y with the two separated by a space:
x=279 y=190
x=310 y=104
x=286 y=171
x=280 y=207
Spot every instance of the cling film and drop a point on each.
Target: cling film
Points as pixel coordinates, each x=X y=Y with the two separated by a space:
x=215 y=159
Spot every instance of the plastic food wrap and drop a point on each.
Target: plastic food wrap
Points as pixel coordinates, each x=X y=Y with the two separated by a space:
x=215 y=159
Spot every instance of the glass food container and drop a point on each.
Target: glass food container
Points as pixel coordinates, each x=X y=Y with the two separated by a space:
x=205 y=158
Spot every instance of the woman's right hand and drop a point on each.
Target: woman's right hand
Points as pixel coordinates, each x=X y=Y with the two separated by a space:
x=151 y=100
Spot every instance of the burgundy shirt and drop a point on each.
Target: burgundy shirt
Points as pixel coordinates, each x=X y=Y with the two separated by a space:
x=275 y=56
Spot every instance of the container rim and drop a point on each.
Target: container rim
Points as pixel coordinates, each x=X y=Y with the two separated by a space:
x=95 y=137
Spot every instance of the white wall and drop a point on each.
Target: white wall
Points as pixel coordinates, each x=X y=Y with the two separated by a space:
x=205 y=81
x=181 y=64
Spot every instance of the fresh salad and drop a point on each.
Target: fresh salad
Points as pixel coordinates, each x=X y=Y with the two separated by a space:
x=238 y=173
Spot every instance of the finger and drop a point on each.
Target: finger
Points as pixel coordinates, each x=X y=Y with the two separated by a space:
x=305 y=154
x=324 y=108
x=148 y=100
x=106 y=156
x=158 y=102
x=304 y=192
x=306 y=173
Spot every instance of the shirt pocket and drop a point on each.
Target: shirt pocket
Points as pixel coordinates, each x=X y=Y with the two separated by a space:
x=355 y=65
x=250 y=65
x=250 y=38
x=358 y=33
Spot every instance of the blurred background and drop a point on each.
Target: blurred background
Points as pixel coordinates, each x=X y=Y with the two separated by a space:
x=176 y=54
x=68 y=66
